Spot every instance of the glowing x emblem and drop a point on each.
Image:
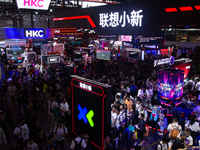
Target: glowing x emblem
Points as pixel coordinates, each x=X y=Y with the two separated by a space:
x=87 y=117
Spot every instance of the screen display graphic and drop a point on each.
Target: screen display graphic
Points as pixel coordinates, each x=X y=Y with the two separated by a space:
x=170 y=86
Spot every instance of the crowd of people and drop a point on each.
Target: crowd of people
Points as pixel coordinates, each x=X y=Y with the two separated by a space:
x=135 y=110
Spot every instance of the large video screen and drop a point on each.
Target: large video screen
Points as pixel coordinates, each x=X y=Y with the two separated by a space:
x=103 y=54
x=170 y=86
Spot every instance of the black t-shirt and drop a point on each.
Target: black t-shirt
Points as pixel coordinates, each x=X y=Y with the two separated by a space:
x=141 y=125
x=109 y=147
x=31 y=122
x=39 y=140
x=4 y=125
x=178 y=144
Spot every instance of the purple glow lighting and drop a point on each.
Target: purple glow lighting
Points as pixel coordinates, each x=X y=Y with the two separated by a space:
x=170 y=86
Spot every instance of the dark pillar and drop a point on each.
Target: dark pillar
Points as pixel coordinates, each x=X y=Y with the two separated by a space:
x=32 y=19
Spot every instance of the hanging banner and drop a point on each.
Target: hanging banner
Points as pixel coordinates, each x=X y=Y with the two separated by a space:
x=33 y=4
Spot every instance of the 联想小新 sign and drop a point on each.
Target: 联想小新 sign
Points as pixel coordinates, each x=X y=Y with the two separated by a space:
x=33 y=4
x=115 y=19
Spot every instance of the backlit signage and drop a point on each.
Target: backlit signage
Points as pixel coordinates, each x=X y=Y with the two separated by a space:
x=33 y=4
x=164 y=61
x=85 y=86
x=115 y=19
x=85 y=115
x=34 y=33
x=54 y=59
x=91 y=109
x=148 y=39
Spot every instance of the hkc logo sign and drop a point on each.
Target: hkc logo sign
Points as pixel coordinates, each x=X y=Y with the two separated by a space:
x=33 y=4
x=85 y=115
x=34 y=33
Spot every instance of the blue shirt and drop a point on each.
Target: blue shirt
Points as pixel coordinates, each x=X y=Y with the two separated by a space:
x=124 y=137
x=48 y=147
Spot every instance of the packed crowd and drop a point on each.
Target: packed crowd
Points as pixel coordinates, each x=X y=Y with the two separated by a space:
x=135 y=108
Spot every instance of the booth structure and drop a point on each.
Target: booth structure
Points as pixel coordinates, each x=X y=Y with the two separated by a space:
x=91 y=108
x=170 y=86
x=183 y=64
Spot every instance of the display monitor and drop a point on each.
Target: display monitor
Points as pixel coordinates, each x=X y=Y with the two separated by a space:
x=133 y=54
x=125 y=38
x=103 y=54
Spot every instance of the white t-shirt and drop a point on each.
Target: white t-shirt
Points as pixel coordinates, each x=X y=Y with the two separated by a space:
x=34 y=146
x=194 y=127
x=118 y=120
x=57 y=86
x=137 y=106
x=140 y=93
x=78 y=140
x=175 y=126
x=59 y=133
x=189 y=140
x=12 y=90
x=143 y=112
x=64 y=106
x=198 y=86
x=24 y=130
x=149 y=93
x=163 y=147
x=113 y=117
x=54 y=104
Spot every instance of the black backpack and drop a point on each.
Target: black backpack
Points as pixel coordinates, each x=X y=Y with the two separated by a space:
x=189 y=85
x=14 y=136
x=78 y=145
x=157 y=146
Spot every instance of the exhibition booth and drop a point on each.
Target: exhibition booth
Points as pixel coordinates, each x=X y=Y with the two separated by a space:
x=91 y=109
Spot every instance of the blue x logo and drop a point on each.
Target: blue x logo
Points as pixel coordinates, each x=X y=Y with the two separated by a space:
x=82 y=114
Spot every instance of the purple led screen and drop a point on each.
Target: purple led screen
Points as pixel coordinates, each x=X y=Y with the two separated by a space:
x=170 y=86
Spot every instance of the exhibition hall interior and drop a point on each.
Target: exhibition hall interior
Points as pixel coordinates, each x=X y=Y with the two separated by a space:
x=99 y=75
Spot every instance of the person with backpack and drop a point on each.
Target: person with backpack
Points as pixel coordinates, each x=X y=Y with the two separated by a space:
x=191 y=85
x=124 y=137
x=21 y=130
x=179 y=143
x=162 y=145
x=78 y=143
x=60 y=133
x=174 y=129
x=50 y=143
x=176 y=111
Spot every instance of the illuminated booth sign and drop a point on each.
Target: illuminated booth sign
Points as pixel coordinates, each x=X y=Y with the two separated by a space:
x=170 y=86
x=91 y=109
x=34 y=33
x=33 y=4
x=26 y=33
x=53 y=59
x=114 y=19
